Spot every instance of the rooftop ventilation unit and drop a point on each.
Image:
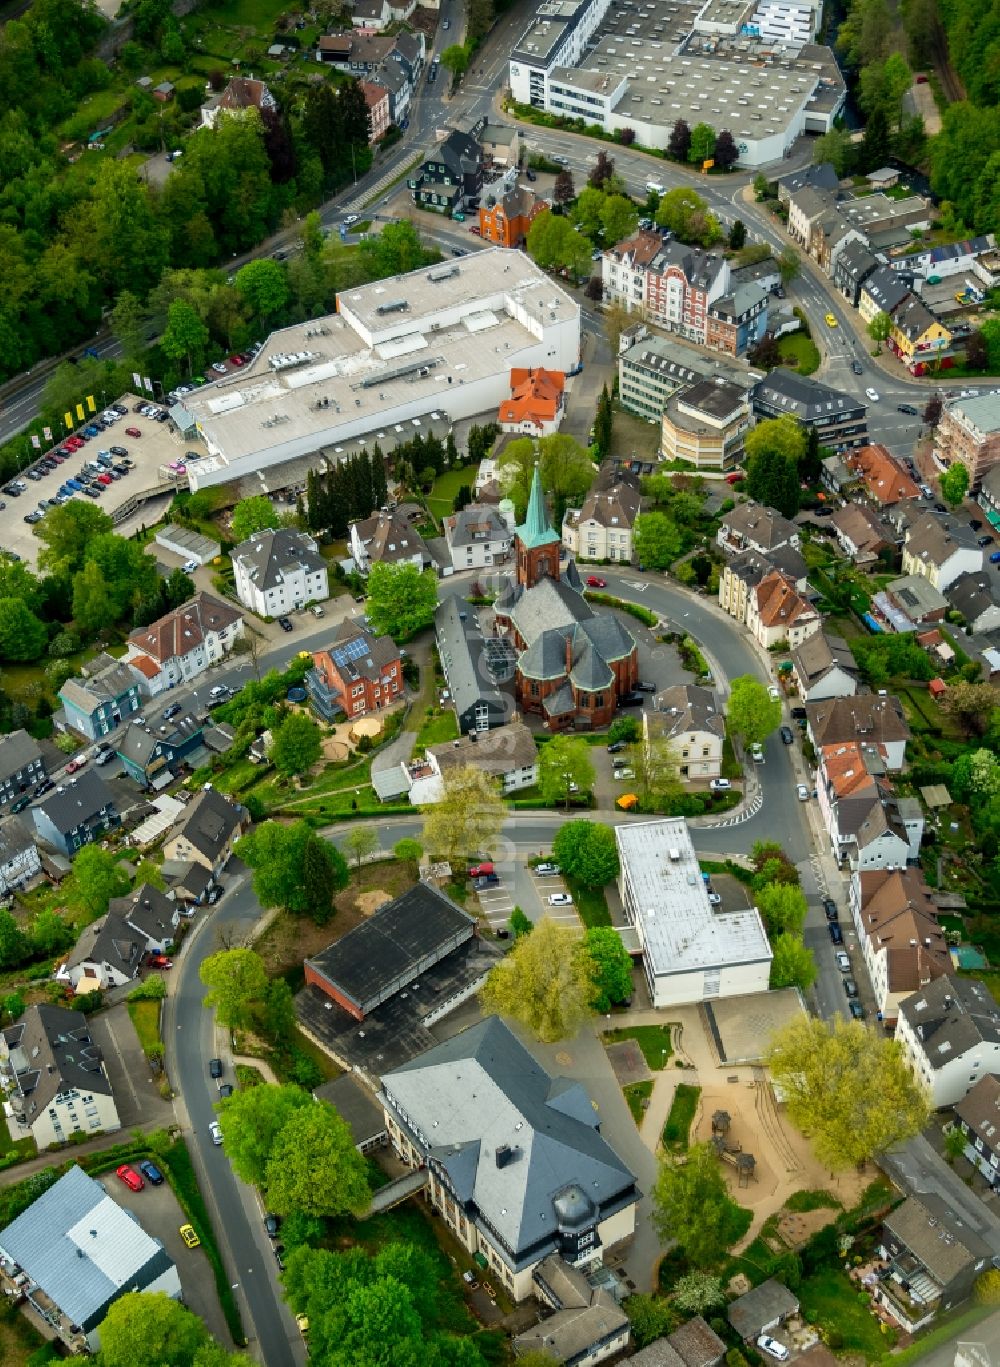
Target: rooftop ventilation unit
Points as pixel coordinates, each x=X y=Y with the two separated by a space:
x=442 y=273
x=396 y=306
x=287 y=360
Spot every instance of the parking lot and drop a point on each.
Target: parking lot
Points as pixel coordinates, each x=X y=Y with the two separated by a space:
x=523 y=887
x=157 y=447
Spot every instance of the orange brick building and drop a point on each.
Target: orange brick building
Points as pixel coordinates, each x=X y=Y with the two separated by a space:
x=505 y=221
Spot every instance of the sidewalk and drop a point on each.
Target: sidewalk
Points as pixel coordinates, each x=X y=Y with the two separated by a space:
x=71 y=1151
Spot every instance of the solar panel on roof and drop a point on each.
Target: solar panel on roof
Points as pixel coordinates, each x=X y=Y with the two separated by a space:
x=352 y=650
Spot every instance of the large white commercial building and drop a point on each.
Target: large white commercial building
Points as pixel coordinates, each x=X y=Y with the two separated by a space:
x=691 y=952
x=437 y=343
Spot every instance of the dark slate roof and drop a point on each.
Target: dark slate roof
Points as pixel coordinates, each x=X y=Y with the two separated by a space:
x=56 y=1046
x=17 y=749
x=14 y=838
x=885 y=289
x=590 y=672
x=208 y=822
x=355 y=1105
x=820 y=177
x=147 y=910
x=269 y=555
x=420 y=925
x=560 y=703
x=950 y=1016
x=460 y=646
x=933 y=1231
x=110 y=941
x=480 y=1098
x=763 y=1305
x=856 y=261
x=802 y=397
x=76 y=800
x=971 y=595
x=547 y=605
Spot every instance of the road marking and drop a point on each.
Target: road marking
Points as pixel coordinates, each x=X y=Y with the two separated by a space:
x=634 y=584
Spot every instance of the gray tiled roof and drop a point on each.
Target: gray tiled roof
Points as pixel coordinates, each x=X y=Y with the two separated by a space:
x=269 y=555
x=770 y=1301
x=931 y=1229
x=803 y=397
x=951 y=1016
x=590 y=672
x=819 y=654
x=763 y=526
x=971 y=595
x=935 y=538
x=476 y=522
x=60 y=1056
x=885 y=289
x=460 y=645
x=686 y=707
x=14 y=838
x=547 y=605
x=482 y=1092
x=17 y=749
x=79 y=798
x=207 y=822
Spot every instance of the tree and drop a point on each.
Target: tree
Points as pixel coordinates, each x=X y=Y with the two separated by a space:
x=619 y=218
x=684 y=213
x=263 y=284
x=656 y=773
x=954 y=483
x=697 y=1292
x=977 y=351
x=236 y=980
x=848 y=1089
x=971 y=704
x=278 y=855
x=314 y=1166
x=751 y=714
x=14 y=944
x=782 y=435
x=93 y=606
x=546 y=982
x=737 y=234
x=563 y=190
x=702 y=144
x=360 y=842
x=772 y=479
x=564 y=767
x=401 y=600
x=554 y=244
x=519 y=923
x=657 y=541
x=782 y=906
x=22 y=635
x=726 y=152
x=297 y=744
x=97 y=878
x=789 y=264
x=650 y=1317
x=277 y=1017
x=254 y=514
x=835 y=147
x=624 y=728
x=408 y=851
x=692 y=1205
x=186 y=336
x=879 y=329
x=601 y=171
x=987 y=1285
x=251 y=1120
x=66 y=532
x=603 y=421
x=612 y=967
x=587 y=851
x=793 y=964
x=566 y=470
x=467 y=819
x=148 y=1329
x=954 y=1144
x=679 y=141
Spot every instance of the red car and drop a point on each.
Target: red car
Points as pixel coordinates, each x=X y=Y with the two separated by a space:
x=476 y=232
x=236 y=360
x=734 y=478
x=594 y=583
x=76 y=764
x=105 y=479
x=75 y=443
x=481 y=870
x=159 y=961
x=127 y=1174
x=132 y=432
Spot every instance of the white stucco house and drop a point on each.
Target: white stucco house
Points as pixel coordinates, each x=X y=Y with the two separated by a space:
x=279 y=571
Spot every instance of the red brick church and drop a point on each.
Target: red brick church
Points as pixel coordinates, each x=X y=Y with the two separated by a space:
x=573 y=662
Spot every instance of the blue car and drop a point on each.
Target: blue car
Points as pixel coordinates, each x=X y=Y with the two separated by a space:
x=74 y=484
x=995 y=558
x=151 y=1172
x=91 y=431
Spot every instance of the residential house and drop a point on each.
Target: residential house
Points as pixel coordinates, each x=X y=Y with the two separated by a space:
x=971 y=595
x=164 y=92
x=22 y=765
x=681 y=284
x=506 y=753
x=624 y=267
x=822 y=176
x=501 y=144
x=692 y=1344
x=392 y=77
x=359 y=673
x=839 y=419
x=186 y=642
x=740 y=577
x=691 y=719
x=751 y=526
x=189 y=884
x=917 y=336
x=868 y=826
x=836 y=475
x=20 y=861
x=969 y=431
x=373 y=15
x=277 y=571
x=601 y=528
x=832 y=234
x=988 y=497
x=861 y=534
x=451 y=175
x=823 y=667
x=698 y=952
x=242 y=93
x=55 y=1081
x=107 y=692
x=949 y=1032
x=778 y=614
x=884 y=478
x=387 y=538
x=477 y=537
x=111 y=950
x=475 y=695
x=506 y=216
x=956 y=258
x=899 y=935
x=854 y=265
x=738 y=320
x=932 y=1261
x=762 y=1310
x=585 y=1324
x=908 y=603
x=941 y=549
x=71 y=1255
x=882 y=292
x=867 y=718
x=207 y=831
x=977 y=1116
x=79 y=811
x=536 y=402
x=379 y=110
x=807 y=205
x=152 y=753
x=517 y=1168
x=887 y=221
x=706 y=424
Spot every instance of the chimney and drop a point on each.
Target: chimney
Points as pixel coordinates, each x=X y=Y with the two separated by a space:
x=569 y=652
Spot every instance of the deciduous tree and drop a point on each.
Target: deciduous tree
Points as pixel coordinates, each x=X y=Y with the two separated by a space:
x=467 y=820
x=360 y=842
x=612 y=967
x=408 y=851
x=455 y=59
x=186 y=336
x=97 y=878
x=251 y=1120
x=324 y=872
x=656 y=775
x=66 y=532
x=879 y=329
x=783 y=908
x=401 y=600
x=692 y=1206
x=657 y=540
x=22 y=635
x=847 y=1088
x=954 y=483
x=697 y=1292
x=679 y=141
x=751 y=713
x=314 y=1166
x=971 y=704
x=148 y=1329
x=793 y=964
x=297 y=744
x=278 y=855
x=546 y=982
x=587 y=851
x=564 y=766
x=236 y=980
x=702 y=144
x=726 y=152
x=263 y=285
x=738 y=235
x=253 y=514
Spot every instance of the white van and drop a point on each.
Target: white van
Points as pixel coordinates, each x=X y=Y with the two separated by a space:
x=654 y=187
x=316 y=610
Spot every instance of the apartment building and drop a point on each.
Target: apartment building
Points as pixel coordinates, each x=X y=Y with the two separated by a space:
x=899 y=934
x=706 y=423
x=477 y=537
x=839 y=419
x=949 y=1032
x=969 y=431
x=185 y=643
x=941 y=549
x=357 y=674
x=22 y=765
x=277 y=571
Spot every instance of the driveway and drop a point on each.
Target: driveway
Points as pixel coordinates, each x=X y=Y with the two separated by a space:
x=158 y=1211
x=135 y=1088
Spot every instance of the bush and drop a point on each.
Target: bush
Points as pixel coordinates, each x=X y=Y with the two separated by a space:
x=151 y=990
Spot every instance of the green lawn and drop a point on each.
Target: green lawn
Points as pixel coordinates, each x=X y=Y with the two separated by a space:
x=23 y=1148
x=439 y=726
x=653 y=1040
x=800 y=352
x=635 y=1094
x=830 y=1301
x=591 y=903
x=145 y=1016
x=441 y=499
x=682 y=1112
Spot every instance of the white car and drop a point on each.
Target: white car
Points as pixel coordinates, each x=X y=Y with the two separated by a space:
x=218 y=367
x=559 y=899
x=351 y=218
x=624 y=773
x=871 y=394
x=773 y=1348
x=757 y=753
x=720 y=785
x=774 y=693
x=715 y=899
x=843 y=961
x=215 y=1131
x=802 y=792
x=189 y=566
x=654 y=187
x=549 y=870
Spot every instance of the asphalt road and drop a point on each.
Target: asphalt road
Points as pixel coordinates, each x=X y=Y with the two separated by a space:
x=191 y=1039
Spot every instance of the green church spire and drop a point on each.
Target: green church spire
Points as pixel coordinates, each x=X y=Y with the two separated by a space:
x=535 y=530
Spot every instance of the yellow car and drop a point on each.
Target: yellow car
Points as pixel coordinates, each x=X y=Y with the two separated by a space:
x=302 y=1321
x=831 y=322
x=189 y=1236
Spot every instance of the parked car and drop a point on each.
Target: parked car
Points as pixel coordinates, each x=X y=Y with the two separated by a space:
x=160 y=961
x=483 y=867
x=843 y=960
x=488 y=880
x=830 y=909
x=272 y=1223
x=189 y=566
x=635 y=699
x=75 y=764
x=547 y=869
x=836 y=934
x=215 y=1067
x=757 y=753
x=225 y=1089
x=559 y=899
x=151 y=1172
x=285 y=624
x=767 y=1344
x=850 y=987
x=786 y=734
x=857 y=1011
x=216 y=1132
x=593 y=582
x=720 y=785
x=802 y=792
x=132 y=432
x=105 y=757
x=984 y=541
x=644 y=686
x=189 y=1236
x=127 y=1174
x=616 y=747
